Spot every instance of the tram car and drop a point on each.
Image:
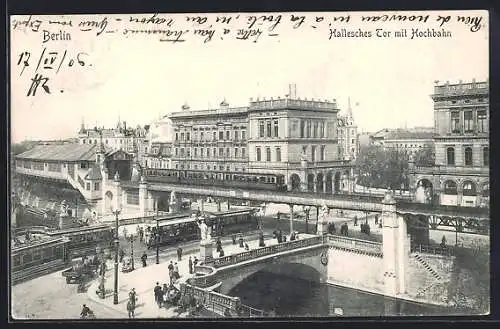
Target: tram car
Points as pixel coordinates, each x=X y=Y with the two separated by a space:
x=218 y=178
x=224 y=223
x=84 y=240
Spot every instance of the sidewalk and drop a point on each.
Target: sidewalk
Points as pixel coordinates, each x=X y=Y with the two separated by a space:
x=143 y=279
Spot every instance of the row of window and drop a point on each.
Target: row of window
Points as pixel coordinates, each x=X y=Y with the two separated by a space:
x=468 y=159
x=258 y=153
x=314 y=149
x=97 y=186
x=238 y=152
x=468 y=121
x=206 y=136
x=269 y=128
x=469 y=188
x=208 y=167
x=107 y=141
x=312 y=128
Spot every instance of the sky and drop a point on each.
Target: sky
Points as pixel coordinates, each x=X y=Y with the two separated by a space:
x=137 y=78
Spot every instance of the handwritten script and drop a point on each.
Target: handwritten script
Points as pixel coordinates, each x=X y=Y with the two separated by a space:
x=45 y=63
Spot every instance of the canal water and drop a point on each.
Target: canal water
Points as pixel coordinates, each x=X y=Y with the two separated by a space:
x=286 y=296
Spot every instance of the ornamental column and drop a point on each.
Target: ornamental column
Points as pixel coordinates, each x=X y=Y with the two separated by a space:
x=395 y=248
x=143 y=196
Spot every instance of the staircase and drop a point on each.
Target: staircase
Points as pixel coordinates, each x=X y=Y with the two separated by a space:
x=427 y=267
x=79 y=186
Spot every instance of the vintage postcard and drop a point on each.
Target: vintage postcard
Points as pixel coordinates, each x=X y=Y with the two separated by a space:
x=249 y=165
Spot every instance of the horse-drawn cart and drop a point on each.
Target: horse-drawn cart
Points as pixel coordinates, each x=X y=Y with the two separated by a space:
x=80 y=271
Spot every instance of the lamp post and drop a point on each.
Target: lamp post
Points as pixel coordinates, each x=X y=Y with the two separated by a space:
x=102 y=271
x=157 y=240
x=132 y=238
x=117 y=243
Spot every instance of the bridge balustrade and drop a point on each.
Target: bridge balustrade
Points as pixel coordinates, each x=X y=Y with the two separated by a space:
x=216 y=302
x=423 y=249
x=355 y=244
x=264 y=251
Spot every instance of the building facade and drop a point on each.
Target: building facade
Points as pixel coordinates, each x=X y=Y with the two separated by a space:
x=461 y=172
x=408 y=141
x=277 y=136
x=83 y=167
x=347 y=132
x=131 y=140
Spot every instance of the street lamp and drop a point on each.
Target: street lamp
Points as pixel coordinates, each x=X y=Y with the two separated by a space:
x=132 y=238
x=102 y=271
x=117 y=243
x=157 y=239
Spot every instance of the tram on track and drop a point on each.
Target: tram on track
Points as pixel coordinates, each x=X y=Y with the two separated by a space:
x=185 y=229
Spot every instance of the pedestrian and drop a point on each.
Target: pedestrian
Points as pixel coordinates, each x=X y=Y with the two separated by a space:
x=376 y=219
x=234 y=239
x=164 y=293
x=218 y=245
x=355 y=220
x=241 y=241
x=131 y=309
x=158 y=294
x=171 y=272
x=144 y=259
x=221 y=253
x=346 y=229
x=122 y=254
x=190 y=265
x=176 y=271
x=246 y=247
x=195 y=262
x=179 y=254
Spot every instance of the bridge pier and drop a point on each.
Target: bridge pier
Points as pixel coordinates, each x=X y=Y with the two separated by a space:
x=395 y=248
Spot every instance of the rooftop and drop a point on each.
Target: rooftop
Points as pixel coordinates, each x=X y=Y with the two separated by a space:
x=66 y=152
x=397 y=135
x=409 y=133
x=461 y=88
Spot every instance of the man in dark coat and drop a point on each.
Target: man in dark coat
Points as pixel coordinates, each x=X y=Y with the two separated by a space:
x=190 y=265
x=158 y=294
x=144 y=259
x=179 y=254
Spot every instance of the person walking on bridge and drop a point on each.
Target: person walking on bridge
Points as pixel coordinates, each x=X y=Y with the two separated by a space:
x=179 y=254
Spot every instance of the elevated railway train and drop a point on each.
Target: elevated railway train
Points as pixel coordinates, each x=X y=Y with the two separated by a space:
x=241 y=180
x=218 y=178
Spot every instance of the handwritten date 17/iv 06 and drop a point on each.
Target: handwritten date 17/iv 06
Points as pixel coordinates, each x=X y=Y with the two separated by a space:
x=51 y=62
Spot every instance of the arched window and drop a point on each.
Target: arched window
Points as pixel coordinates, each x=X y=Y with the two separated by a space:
x=486 y=156
x=450 y=156
x=469 y=188
x=468 y=156
x=485 y=191
x=450 y=187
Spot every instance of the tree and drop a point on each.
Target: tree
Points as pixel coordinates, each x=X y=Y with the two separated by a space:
x=382 y=168
x=425 y=157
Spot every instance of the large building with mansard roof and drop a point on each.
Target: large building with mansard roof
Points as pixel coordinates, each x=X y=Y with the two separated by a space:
x=290 y=136
x=461 y=175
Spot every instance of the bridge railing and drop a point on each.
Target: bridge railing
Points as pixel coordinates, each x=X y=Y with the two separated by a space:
x=264 y=251
x=355 y=244
x=251 y=312
x=423 y=249
x=207 y=279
